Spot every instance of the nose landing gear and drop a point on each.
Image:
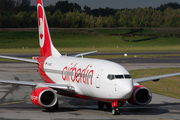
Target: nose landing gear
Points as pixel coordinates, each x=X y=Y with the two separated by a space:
x=115 y=108
x=116 y=111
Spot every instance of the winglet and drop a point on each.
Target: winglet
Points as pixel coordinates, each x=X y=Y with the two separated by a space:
x=46 y=46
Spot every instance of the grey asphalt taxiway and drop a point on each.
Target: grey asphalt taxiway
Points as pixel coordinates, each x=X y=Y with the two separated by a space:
x=15 y=101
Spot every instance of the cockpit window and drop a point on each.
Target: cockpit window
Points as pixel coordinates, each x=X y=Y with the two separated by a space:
x=127 y=76
x=111 y=77
x=119 y=76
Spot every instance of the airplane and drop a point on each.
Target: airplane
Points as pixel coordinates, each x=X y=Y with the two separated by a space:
x=107 y=82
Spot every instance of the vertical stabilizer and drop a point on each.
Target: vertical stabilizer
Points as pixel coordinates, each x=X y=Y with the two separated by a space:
x=45 y=42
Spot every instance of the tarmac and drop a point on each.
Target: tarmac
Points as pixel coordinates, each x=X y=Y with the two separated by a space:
x=15 y=103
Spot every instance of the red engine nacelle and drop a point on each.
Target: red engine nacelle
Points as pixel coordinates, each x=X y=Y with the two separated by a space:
x=44 y=96
x=141 y=96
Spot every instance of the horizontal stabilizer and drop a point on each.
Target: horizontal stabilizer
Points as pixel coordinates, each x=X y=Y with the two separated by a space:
x=20 y=59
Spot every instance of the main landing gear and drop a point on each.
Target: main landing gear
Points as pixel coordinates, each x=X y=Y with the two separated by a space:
x=114 y=106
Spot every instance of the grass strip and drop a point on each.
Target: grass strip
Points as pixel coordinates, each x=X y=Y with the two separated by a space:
x=68 y=41
x=99 y=49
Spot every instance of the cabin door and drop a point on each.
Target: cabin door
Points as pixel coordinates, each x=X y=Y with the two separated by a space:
x=98 y=77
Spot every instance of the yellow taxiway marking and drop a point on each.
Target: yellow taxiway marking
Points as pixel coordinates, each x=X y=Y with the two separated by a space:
x=14 y=102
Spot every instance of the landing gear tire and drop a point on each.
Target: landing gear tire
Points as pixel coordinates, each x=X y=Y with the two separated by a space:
x=116 y=111
x=113 y=111
x=100 y=104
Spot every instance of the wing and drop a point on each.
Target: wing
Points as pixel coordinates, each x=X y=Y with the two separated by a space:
x=60 y=87
x=20 y=59
x=154 y=78
x=81 y=54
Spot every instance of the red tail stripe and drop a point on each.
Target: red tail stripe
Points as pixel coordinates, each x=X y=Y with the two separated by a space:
x=44 y=36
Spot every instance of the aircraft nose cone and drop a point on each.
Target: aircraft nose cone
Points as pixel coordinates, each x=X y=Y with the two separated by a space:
x=125 y=89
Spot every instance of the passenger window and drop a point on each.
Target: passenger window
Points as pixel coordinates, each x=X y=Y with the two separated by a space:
x=119 y=76
x=127 y=76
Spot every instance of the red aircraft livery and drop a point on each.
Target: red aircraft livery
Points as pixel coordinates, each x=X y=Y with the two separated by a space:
x=108 y=82
x=78 y=75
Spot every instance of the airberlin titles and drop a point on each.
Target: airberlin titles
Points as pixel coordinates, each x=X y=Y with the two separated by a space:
x=75 y=74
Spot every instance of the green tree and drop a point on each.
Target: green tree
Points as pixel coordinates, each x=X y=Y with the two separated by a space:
x=24 y=19
x=1 y=19
x=123 y=21
x=92 y=21
x=111 y=21
x=51 y=9
x=21 y=19
x=50 y=19
x=13 y=23
x=135 y=21
x=165 y=6
x=57 y=19
x=34 y=19
x=117 y=15
x=99 y=22
x=168 y=20
x=87 y=10
x=77 y=19
x=147 y=13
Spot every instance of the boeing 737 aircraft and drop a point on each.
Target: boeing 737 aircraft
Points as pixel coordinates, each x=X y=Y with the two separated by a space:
x=74 y=76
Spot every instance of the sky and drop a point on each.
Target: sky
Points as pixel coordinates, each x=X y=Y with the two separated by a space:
x=116 y=4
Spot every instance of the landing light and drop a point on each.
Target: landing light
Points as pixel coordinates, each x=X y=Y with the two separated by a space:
x=71 y=88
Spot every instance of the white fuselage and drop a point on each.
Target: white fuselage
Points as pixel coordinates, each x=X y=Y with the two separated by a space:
x=90 y=77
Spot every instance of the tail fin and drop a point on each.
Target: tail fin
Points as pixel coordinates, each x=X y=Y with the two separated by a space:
x=46 y=46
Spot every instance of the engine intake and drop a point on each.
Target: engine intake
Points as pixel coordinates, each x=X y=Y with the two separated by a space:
x=44 y=96
x=141 y=96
